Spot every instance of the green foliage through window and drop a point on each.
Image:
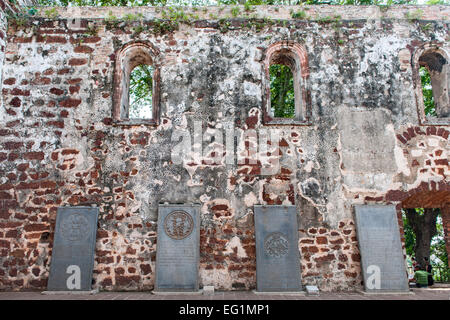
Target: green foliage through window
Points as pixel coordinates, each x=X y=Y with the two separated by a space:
x=410 y=236
x=282 y=99
x=141 y=92
x=438 y=248
x=438 y=251
x=427 y=92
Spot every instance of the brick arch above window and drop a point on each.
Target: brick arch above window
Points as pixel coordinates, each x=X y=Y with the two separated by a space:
x=435 y=58
x=294 y=56
x=128 y=57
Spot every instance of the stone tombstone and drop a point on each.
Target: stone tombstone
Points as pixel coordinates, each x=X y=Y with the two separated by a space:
x=381 y=251
x=277 y=254
x=178 y=248
x=73 y=251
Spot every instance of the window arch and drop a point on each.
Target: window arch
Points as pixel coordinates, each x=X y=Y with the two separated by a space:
x=136 y=68
x=287 y=62
x=431 y=64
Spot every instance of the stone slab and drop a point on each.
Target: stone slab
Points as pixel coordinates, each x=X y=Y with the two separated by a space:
x=73 y=251
x=178 y=248
x=277 y=254
x=382 y=261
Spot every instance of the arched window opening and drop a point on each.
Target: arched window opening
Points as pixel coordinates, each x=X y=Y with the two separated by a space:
x=434 y=76
x=287 y=96
x=141 y=92
x=136 y=95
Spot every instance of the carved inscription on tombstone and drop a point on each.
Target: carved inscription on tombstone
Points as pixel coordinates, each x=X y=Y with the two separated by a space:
x=75 y=228
x=382 y=259
x=73 y=251
x=276 y=245
x=178 y=248
x=277 y=254
x=178 y=225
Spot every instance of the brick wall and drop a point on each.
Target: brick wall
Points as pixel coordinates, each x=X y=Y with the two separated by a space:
x=59 y=144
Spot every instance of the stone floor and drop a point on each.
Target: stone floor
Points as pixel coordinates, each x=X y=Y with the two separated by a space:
x=418 y=294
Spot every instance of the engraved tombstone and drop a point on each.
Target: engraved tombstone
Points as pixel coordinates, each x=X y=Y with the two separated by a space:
x=382 y=259
x=178 y=248
x=277 y=254
x=73 y=251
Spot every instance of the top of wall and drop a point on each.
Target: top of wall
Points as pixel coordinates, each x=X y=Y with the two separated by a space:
x=315 y=12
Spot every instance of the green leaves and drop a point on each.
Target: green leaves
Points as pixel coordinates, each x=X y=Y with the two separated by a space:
x=282 y=91
x=438 y=248
x=427 y=91
x=438 y=252
x=141 y=92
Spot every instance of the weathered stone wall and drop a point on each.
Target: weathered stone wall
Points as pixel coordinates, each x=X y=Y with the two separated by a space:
x=60 y=146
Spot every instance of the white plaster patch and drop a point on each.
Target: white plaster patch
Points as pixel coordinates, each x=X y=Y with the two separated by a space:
x=416 y=152
x=309 y=166
x=400 y=160
x=250 y=199
x=219 y=278
x=432 y=142
x=235 y=242
x=251 y=89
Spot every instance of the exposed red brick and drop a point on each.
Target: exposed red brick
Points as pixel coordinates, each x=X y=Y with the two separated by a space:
x=337 y=241
x=439 y=162
x=36 y=271
x=32 y=227
x=145 y=269
x=22 y=39
x=70 y=103
x=126 y=280
x=39 y=283
x=106 y=282
x=326 y=258
x=56 y=91
x=356 y=257
x=9 y=81
x=20 y=92
x=51 y=39
x=321 y=240
x=431 y=130
x=74 y=89
x=83 y=49
x=37 y=155
x=57 y=124
x=4 y=243
x=12 y=145
x=77 y=61
x=74 y=81
x=63 y=71
x=15 y=102
x=401 y=139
